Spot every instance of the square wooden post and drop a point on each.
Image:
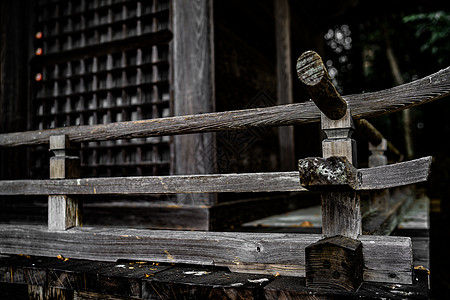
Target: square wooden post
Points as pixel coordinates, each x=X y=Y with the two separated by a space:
x=335 y=261
x=63 y=210
x=341 y=211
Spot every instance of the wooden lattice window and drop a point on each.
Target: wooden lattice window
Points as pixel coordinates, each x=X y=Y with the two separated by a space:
x=103 y=61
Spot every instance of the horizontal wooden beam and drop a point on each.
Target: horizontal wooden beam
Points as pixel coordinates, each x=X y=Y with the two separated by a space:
x=183 y=184
x=386 y=259
x=382 y=177
x=395 y=175
x=364 y=105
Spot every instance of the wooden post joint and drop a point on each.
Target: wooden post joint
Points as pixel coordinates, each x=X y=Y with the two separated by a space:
x=64 y=211
x=335 y=263
x=339 y=141
x=65 y=163
x=328 y=174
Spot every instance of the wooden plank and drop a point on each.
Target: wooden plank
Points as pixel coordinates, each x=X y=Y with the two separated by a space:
x=382 y=177
x=386 y=259
x=395 y=175
x=208 y=183
x=430 y=88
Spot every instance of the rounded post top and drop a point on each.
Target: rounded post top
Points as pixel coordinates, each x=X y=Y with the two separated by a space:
x=312 y=72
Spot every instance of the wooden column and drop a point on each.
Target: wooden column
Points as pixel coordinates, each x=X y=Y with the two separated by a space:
x=63 y=210
x=193 y=89
x=284 y=80
x=379 y=199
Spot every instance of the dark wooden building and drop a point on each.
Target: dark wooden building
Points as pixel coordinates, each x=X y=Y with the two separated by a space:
x=67 y=63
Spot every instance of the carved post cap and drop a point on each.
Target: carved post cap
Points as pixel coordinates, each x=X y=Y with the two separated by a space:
x=332 y=173
x=335 y=263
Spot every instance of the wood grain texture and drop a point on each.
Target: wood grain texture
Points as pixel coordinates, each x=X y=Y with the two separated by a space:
x=313 y=74
x=386 y=259
x=284 y=80
x=394 y=175
x=382 y=177
x=64 y=211
x=341 y=214
x=193 y=83
x=366 y=105
x=208 y=183
x=334 y=263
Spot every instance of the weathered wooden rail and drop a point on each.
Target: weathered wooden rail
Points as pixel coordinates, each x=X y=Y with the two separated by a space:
x=359 y=257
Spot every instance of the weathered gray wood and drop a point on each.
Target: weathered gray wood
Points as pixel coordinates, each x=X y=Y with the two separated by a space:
x=341 y=210
x=284 y=80
x=63 y=211
x=193 y=89
x=339 y=141
x=208 y=183
x=366 y=105
x=334 y=263
x=386 y=259
x=341 y=214
x=313 y=74
x=394 y=175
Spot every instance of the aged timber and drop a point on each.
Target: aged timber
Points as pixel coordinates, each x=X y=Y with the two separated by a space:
x=149 y=280
x=382 y=177
x=430 y=88
x=386 y=259
x=313 y=74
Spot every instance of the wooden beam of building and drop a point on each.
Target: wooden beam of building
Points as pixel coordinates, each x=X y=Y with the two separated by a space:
x=366 y=105
x=386 y=259
x=382 y=177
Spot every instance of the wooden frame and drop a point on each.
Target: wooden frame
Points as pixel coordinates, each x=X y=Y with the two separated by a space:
x=386 y=259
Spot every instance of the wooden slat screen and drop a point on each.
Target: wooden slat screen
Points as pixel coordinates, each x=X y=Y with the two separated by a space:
x=99 y=62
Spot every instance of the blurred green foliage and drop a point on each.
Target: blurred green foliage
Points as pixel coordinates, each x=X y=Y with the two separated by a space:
x=433 y=31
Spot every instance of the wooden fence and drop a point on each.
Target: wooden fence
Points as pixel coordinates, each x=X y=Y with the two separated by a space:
x=360 y=257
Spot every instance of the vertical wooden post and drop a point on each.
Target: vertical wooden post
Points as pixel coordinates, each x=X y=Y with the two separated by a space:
x=284 y=80
x=193 y=89
x=341 y=211
x=63 y=210
x=335 y=261
x=378 y=199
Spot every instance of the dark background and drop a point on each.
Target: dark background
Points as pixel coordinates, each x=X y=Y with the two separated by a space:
x=360 y=41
